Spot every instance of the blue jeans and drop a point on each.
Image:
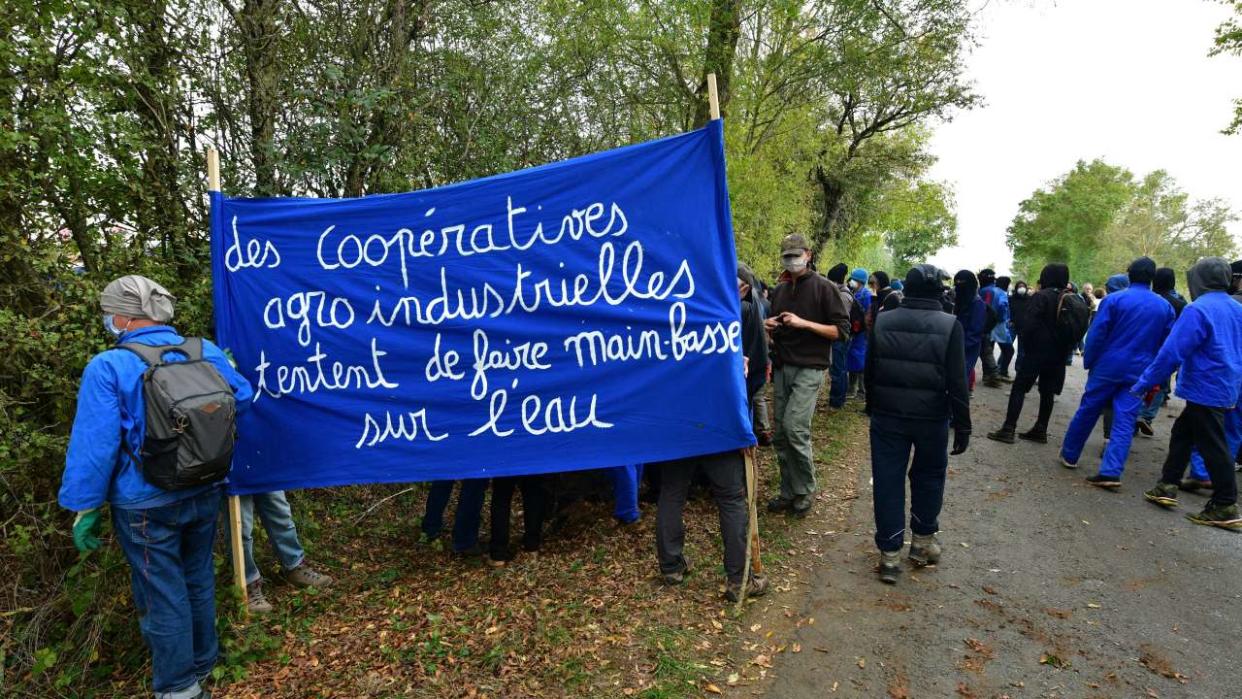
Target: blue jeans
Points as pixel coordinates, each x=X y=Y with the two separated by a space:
x=1151 y=409
x=891 y=441
x=169 y=554
x=277 y=518
x=839 y=374
x=625 y=480
x=1097 y=396
x=469 y=512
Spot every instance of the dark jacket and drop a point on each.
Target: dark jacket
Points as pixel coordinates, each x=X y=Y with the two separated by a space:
x=971 y=312
x=915 y=365
x=1018 y=306
x=810 y=297
x=1039 y=327
x=1166 y=280
x=754 y=339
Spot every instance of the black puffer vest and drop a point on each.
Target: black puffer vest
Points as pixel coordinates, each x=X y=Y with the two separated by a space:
x=911 y=347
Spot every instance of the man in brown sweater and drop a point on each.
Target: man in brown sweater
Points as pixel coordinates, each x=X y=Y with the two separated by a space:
x=808 y=315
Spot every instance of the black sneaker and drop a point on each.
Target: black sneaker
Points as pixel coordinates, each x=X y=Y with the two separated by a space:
x=1035 y=435
x=1106 y=482
x=1144 y=428
x=890 y=567
x=780 y=504
x=1194 y=485
x=1223 y=516
x=677 y=578
x=1004 y=434
x=992 y=382
x=801 y=505
x=1164 y=495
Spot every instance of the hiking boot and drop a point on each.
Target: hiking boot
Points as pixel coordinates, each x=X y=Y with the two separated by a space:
x=1036 y=434
x=801 y=505
x=256 y=603
x=764 y=438
x=1213 y=515
x=890 y=567
x=1106 y=482
x=1005 y=378
x=924 y=550
x=1067 y=463
x=992 y=381
x=780 y=504
x=1144 y=428
x=1194 y=485
x=306 y=576
x=1164 y=495
x=676 y=578
x=1004 y=434
x=758 y=587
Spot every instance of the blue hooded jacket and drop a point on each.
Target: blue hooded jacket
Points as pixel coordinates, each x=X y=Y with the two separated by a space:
x=1129 y=327
x=1116 y=283
x=111 y=408
x=1000 y=303
x=1206 y=342
x=856 y=360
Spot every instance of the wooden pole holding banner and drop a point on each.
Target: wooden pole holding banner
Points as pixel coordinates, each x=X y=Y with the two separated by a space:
x=235 y=518
x=753 y=562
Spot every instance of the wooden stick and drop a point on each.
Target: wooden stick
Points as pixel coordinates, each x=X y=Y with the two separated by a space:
x=213 y=170
x=235 y=518
x=752 y=564
x=239 y=553
x=713 y=98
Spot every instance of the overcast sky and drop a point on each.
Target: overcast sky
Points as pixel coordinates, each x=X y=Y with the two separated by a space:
x=1128 y=81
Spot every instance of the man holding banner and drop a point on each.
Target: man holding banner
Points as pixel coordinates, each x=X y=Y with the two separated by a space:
x=808 y=315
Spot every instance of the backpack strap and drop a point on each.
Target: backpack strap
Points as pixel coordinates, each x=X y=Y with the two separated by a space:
x=153 y=355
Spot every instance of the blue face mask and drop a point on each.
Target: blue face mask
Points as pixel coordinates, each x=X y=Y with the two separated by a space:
x=110 y=326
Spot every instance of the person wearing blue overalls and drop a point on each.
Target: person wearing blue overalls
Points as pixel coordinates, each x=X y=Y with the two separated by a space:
x=167 y=536
x=858 y=341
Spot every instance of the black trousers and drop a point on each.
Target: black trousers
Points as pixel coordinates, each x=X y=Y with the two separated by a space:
x=535 y=505
x=1049 y=386
x=726 y=474
x=1006 y=356
x=1202 y=427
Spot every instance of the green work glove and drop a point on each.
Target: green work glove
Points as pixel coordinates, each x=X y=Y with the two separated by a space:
x=86 y=530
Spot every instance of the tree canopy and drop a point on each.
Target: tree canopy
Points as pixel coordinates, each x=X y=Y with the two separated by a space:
x=1098 y=217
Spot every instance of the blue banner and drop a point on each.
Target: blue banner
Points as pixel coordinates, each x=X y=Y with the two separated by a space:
x=575 y=315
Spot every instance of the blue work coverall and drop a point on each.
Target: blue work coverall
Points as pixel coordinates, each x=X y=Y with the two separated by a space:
x=1128 y=330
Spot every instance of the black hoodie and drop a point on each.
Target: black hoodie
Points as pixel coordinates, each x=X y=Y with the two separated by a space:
x=1039 y=329
x=1164 y=284
x=754 y=339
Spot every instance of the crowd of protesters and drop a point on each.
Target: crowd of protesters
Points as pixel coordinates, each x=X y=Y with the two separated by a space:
x=906 y=349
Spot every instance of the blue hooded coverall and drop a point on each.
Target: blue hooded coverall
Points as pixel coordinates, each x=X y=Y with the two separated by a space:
x=1128 y=330
x=858 y=343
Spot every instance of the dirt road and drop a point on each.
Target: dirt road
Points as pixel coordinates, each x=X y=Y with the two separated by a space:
x=1048 y=587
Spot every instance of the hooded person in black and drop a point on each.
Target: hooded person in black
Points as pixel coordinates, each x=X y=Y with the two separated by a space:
x=1043 y=357
x=880 y=282
x=916 y=390
x=838 y=372
x=754 y=339
x=971 y=312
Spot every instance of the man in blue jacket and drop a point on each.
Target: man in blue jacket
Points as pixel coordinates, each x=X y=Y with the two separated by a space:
x=1128 y=330
x=167 y=536
x=998 y=301
x=1206 y=342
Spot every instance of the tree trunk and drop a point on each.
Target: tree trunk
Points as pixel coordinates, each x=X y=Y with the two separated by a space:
x=257 y=21
x=723 y=32
x=832 y=193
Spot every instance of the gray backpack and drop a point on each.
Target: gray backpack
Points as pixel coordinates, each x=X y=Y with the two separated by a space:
x=191 y=418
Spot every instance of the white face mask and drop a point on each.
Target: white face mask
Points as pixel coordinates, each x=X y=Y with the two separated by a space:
x=794 y=265
x=853 y=284
x=110 y=325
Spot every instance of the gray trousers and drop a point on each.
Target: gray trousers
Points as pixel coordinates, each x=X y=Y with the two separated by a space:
x=759 y=411
x=726 y=472
x=987 y=355
x=796 y=391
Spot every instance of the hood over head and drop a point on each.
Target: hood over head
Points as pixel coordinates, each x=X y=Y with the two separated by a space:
x=1142 y=270
x=1055 y=275
x=1117 y=282
x=986 y=277
x=838 y=272
x=1208 y=274
x=897 y=285
x=1002 y=283
x=965 y=291
x=923 y=281
x=881 y=279
x=1164 y=281
x=136 y=296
